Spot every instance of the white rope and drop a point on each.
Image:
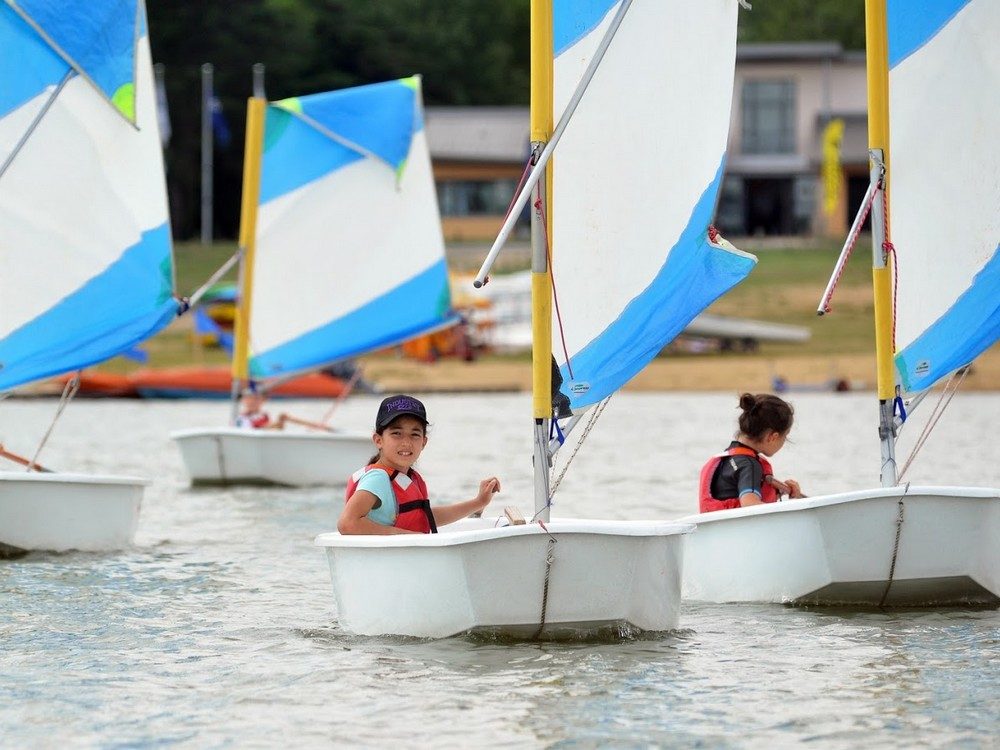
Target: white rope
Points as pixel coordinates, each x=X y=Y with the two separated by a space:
x=745 y=4
x=69 y=390
x=936 y=414
x=586 y=431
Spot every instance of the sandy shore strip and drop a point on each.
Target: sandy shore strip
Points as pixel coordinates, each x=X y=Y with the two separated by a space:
x=684 y=373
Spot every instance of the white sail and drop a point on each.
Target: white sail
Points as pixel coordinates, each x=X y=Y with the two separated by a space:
x=944 y=190
x=86 y=268
x=349 y=256
x=636 y=177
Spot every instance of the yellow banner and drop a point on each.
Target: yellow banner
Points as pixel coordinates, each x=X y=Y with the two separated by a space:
x=833 y=177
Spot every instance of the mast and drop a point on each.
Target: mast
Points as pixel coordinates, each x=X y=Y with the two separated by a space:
x=877 y=55
x=256 y=108
x=541 y=296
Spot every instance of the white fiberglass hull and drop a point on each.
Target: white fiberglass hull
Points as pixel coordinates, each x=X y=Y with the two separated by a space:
x=56 y=512
x=229 y=455
x=473 y=576
x=839 y=549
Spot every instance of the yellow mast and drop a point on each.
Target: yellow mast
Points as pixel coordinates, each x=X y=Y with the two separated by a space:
x=253 y=150
x=877 y=54
x=541 y=130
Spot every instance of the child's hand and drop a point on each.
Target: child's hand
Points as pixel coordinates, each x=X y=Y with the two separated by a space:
x=486 y=489
x=794 y=491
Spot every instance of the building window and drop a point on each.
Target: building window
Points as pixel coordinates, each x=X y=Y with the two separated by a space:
x=768 y=117
x=475 y=197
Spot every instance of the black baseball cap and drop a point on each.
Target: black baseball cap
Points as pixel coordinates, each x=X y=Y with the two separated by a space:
x=398 y=406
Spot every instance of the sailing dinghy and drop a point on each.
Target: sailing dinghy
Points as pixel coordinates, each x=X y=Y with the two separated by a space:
x=635 y=182
x=934 y=115
x=86 y=267
x=345 y=257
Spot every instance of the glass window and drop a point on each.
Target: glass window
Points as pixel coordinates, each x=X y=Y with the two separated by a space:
x=768 y=117
x=475 y=197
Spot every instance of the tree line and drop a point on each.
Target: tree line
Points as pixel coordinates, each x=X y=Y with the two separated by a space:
x=470 y=52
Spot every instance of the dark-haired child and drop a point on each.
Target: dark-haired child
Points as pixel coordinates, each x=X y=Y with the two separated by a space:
x=742 y=475
x=388 y=496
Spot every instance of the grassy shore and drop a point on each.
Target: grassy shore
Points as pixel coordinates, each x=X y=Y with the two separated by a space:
x=784 y=287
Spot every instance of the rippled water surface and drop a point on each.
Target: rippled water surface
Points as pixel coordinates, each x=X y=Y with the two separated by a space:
x=219 y=628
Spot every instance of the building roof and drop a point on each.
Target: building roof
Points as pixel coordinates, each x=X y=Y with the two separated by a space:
x=785 y=51
x=492 y=134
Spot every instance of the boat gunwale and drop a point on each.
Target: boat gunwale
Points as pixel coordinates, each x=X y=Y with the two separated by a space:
x=265 y=434
x=59 y=477
x=554 y=528
x=823 y=501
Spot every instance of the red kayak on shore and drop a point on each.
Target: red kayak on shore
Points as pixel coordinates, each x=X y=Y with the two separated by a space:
x=197 y=382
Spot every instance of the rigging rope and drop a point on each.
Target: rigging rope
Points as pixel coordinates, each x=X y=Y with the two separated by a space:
x=936 y=414
x=598 y=410
x=69 y=390
x=895 y=546
x=540 y=207
x=550 y=558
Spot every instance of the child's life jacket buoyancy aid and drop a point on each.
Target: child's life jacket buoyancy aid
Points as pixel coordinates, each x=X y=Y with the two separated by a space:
x=706 y=502
x=409 y=508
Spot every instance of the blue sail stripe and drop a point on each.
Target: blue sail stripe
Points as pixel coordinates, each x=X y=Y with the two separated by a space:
x=123 y=305
x=97 y=35
x=27 y=64
x=964 y=332
x=694 y=274
x=381 y=118
x=415 y=306
x=574 y=19
x=913 y=23
x=296 y=155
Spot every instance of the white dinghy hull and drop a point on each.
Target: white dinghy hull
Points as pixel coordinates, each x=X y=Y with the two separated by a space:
x=622 y=576
x=229 y=455
x=838 y=550
x=56 y=512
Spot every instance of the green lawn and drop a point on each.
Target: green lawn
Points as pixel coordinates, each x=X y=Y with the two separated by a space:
x=784 y=287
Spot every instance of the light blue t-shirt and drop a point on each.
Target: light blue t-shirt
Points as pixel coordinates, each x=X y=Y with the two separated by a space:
x=377 y=482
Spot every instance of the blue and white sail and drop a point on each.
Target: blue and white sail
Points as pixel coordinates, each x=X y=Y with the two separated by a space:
x=943 y=184
x=86 y=265
x=349 y=256
x=636 y=178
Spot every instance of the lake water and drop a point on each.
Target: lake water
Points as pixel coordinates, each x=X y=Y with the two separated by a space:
x=219 y=628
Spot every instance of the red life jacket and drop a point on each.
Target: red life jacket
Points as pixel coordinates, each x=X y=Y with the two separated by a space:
x=413 y=509
x=708 y=503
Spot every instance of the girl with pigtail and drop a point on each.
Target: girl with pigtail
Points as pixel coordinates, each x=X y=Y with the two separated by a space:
x=742 y=475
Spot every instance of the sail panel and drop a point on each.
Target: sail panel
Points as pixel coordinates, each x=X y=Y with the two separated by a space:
x=375 y=120
x=637 y=175
x=944 y=157
x=34 y=68
x=350 y=260
x=84 y=230
x=97 y=37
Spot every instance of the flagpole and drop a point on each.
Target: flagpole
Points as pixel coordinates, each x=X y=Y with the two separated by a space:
x=207 y=148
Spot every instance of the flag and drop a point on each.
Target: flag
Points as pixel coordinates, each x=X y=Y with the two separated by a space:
x=162 y=111
x=220 y=128
x=833 y=136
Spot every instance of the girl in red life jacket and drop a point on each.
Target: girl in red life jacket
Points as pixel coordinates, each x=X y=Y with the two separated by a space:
x=742 y=476
x=388 y=496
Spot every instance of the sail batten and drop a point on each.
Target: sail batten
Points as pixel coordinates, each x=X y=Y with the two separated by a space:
x=944 y=116
x=637 y=176
x=349 y=255
x=86 y=270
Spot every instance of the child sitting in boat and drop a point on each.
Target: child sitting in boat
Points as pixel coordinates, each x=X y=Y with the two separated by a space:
x=742 y=475
x=253 y=417
x=388 y=496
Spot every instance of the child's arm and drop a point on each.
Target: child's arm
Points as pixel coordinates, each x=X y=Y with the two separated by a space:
x=354 y=518
x=445 y=514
